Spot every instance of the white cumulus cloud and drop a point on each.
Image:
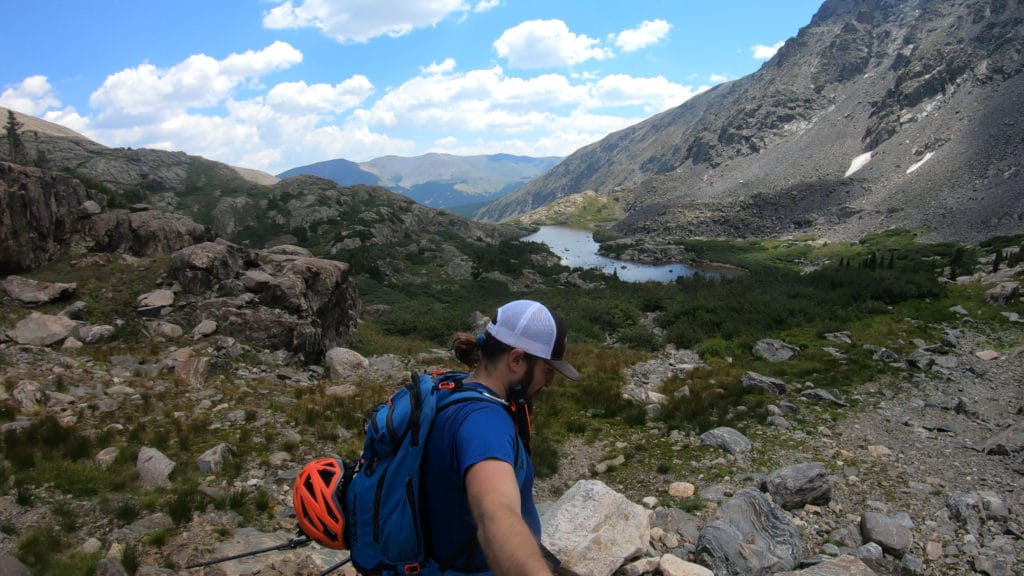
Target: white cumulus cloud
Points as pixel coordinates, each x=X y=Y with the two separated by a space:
x=301 y=97
x=485 y=5
x=649 y=32
x=362 y=20
x=32 y=96
x=719 y=78
x=443 y=68
x=652 y=94
x=762 y=52
x=199 y=81
x=547 y=44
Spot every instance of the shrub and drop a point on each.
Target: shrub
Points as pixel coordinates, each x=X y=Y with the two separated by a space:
x=39 y=547
x=130 y=560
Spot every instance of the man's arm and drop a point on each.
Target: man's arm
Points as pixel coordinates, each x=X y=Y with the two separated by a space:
x=507 y=541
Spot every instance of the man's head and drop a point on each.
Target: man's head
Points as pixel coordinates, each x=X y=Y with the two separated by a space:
x=536 y=337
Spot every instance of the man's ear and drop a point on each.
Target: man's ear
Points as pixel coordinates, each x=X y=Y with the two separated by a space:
x=516 y=358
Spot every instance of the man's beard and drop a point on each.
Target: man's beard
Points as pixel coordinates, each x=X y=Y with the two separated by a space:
x=524 y=385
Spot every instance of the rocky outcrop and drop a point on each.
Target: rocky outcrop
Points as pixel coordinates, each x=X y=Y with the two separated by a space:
x=272 y=299
x=146 y=233
x=39 y=216
x=28 y=292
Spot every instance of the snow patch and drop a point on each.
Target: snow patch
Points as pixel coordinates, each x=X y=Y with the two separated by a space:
x=921 y=163
x=858 y=163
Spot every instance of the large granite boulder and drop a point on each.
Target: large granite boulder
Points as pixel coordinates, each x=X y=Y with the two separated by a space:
x=729 y=439
x=30 y=292
x=279 y=299
x=147 y=233
x=593 y=530
x=750 y=535
x=775 y=350
x=42 y=329
x=1003 y=294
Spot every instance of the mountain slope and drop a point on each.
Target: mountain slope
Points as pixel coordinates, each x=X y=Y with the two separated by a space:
x=933 y=86
x=437 y=180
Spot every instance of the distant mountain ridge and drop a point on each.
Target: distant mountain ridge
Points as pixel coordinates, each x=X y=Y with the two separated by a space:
x=926 y=95
x=436 y=180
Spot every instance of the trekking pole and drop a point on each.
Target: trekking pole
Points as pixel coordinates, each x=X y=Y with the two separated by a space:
x=336 y=566
x=289 y=545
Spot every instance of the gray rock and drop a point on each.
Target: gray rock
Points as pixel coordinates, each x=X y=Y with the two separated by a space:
x=90 y=208
x=30 y=292
x=729 y=439
x=888 y=532
x=89 y=334
x=870 y=551
x=749 y=535
x=911 y=566
x=1003 y=294
x=882 y=354
x=42 y=329
x=110 y=567
x=795 y=486
x=765 y=384
x=1006 y=442
x=779 y=422
x=678 y=522
x=992 y=566
x=594 y=529
x=343 y=363
x=840 y=337
x=106 y=457
x=204 y=328
x=843 y=566
x=28 y=395
x=775 y=350
x=958 y=309
x=11 y=566
x=788 y=407
x=161 y=328
x=819 y=395
x=921 y=360
x=211 y=460
x=153 y=467
x=76 y=311
x=155 y=299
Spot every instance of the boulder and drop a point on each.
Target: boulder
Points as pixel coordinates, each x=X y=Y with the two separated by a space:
x=343 y=363
x=675 y=566
x=1007 y=441
x=681 y=489
x=889 y=532
x=162 y=329
x=28 y=395
x=110 y=567
x=920 y=359
x=775 y=350
x=211 y=460
x=153 y=467
x=819 y=395
x=1003 y=293
x=148 y=233
x=76 y=311
x=204 y=328
x=678 y=522
x=795 y=486
x=89 y=334
x=729 y=439
x=309 y=305
x=11 y=566
x=155 y=299
x=844 y=565
x=840 y=337
x=42 y=329
x=193 y=371
x=594 y=530
x=28 y=292
x=764 y=384
x=106 y=457
x=749 y=535
x=882 y=354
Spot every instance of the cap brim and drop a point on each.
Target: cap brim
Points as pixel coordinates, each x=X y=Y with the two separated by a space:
x=565 y=369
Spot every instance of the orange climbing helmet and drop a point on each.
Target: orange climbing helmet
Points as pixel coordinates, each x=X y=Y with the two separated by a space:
x=316 y=498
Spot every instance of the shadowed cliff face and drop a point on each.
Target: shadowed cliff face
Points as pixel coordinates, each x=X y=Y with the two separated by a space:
x=926 y=85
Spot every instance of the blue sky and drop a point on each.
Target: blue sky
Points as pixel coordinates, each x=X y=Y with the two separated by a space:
x=273 y=84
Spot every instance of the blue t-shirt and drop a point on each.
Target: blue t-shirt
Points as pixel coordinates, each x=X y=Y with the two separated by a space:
x=462 y=435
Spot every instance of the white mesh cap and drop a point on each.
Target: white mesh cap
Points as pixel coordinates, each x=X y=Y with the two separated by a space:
x=532 y=327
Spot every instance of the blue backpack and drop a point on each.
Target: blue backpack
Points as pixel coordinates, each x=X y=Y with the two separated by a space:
x=383 y=528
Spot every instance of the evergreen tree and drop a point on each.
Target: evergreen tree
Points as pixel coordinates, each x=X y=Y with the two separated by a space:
x=13 y=130
x=997 y=261
x=956 y=261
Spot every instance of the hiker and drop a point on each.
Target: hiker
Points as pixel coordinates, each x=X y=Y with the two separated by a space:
x=477 y=478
